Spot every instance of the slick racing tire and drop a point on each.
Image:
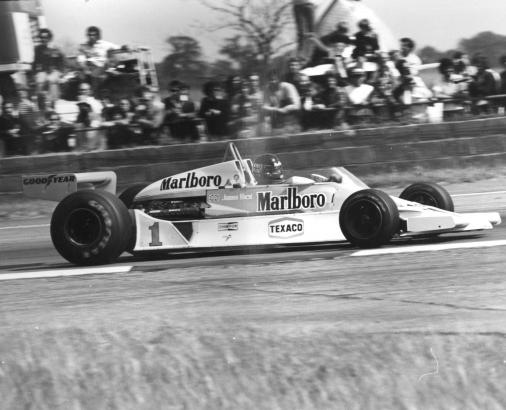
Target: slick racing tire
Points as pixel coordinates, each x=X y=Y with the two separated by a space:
x=369 y=218
x=428 y=193
x=91 y=227
x=128 y=195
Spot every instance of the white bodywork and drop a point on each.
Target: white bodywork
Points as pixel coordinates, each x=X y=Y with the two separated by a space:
x=236 y=211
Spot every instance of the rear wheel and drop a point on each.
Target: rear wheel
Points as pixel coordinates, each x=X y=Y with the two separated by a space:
x=127 y=197
x=129 y=194
x=428 y=193
x=91 y=227
x=369 y=218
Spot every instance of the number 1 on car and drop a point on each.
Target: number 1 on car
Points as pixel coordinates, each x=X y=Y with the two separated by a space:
x=155 y=234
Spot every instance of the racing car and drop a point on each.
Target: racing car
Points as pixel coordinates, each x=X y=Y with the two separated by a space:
x=226 y=205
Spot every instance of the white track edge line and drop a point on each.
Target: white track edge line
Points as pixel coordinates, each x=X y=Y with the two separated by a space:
x=479 y=193
x=55 y=273
x=429 y=248
x=24 y=227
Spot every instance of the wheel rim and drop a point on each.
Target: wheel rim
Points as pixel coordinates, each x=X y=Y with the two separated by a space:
x=424 y=198
x=84 y=227
x=365 y=219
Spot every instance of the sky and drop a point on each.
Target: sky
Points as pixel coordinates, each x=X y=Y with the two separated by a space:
x=440 y=23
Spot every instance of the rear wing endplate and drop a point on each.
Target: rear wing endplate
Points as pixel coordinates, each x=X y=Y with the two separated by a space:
x=55 y=187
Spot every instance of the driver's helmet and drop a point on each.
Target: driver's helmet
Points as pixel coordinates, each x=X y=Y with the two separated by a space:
x=268 y=169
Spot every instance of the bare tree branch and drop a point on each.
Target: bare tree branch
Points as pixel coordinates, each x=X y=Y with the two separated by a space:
x=261 y=22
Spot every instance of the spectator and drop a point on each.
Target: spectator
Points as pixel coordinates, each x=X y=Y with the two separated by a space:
x=412 y=92
x=281 y=99
x=7 y=85
x=359 y=95
x=12 y=131
x=29 y=115
x=339 y=35
x=243 y=116
x=149 y=115
x=56 y=135
x=485 y=82
x=463 y=68
x=233 y=86
x=119 y=131
x=180 y=113
x=107 y=104
x=293 y=76
x=48 y=66
x=308 y=106
x=366 y=41
x=357 y=91
x=384 y=82
x=449 y=88
x=333 y=98
x=255 y=93
x=94 y=57
x=27 y=108
x=214 y=109
x=502 y=61
x=333 y=50
x=89 y=116
x=303 y=11
x=407 y=53
x=256 y=98
x=326 y=44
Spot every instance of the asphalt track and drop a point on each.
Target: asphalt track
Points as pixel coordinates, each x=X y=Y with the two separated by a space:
x=455 y=283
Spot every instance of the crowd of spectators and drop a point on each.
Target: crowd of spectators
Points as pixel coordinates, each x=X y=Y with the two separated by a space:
x=348 y=81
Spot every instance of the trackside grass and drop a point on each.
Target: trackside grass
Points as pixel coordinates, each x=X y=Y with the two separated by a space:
x=223 y=368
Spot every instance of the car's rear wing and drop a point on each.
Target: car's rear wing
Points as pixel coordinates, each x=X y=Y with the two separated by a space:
x=55 y=187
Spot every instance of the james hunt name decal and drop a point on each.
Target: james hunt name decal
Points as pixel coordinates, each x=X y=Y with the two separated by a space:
x=191 y=180
x=266 y=201
x=286 y=228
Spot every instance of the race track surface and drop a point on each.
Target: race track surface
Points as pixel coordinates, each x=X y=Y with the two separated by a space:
x=455 y=283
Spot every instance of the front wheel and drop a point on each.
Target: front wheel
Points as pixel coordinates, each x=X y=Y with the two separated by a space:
x=91 y=227
x=428 y=193
x=369 y=218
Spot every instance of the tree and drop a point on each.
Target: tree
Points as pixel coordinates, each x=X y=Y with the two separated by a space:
x=262 y=23
x=221 y=69
x=243 y=54
x=486 y=43
x=429 y=54
x=184 y=61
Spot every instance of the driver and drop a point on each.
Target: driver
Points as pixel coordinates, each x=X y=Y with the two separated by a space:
x=268 y=169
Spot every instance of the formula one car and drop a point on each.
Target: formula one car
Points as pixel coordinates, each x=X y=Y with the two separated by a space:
x=223 y=206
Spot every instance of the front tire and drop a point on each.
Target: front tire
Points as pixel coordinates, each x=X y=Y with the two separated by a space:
x=428 y=193
x=369 y=218
x=91 y=227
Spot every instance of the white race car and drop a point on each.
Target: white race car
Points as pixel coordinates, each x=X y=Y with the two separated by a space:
x=222 y=206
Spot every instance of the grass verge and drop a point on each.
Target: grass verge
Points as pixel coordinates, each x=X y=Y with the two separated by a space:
x=223 y=368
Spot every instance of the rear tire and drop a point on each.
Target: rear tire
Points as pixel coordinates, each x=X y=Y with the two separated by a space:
x=429 y=193
x=127 y=197
x=91 y=227
x=369 y=218
x=129 y=194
